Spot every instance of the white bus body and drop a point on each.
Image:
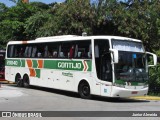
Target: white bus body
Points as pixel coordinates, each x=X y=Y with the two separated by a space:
x=109 y=66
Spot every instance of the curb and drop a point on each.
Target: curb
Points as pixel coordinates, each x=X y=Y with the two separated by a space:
x=6 y=82
x=146 y=98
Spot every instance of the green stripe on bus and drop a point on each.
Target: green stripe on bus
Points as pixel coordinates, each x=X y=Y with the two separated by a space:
x=67 y=65
x=15 y=62
x=49 y=64
x=81 y=65
x=34 y=64
x=37 y=73
x=89 y=65
x=23 y=63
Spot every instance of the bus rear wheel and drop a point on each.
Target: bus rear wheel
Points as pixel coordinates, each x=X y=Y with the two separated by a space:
x=18 y=81
x=84 y=90
x=26 y=81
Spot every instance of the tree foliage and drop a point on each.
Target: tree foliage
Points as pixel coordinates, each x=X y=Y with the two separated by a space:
x=13 y=21
x=74 y=17
x=133 y=18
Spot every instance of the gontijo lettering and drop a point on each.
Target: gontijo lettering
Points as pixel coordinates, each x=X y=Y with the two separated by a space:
x=69 y=65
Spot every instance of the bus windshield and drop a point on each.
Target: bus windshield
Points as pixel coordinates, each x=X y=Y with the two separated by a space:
x=131 y=68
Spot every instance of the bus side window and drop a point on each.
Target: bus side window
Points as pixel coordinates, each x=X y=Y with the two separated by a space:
x=46 y=51
x=61 y=55
x=65 y=50
x=71 y=52
x=39 y=54
x=10 y=51
x=34 y=51
x=84 y=49
x=52 y=49
x=21 y=52
x=40 y=50
x=90 y=51
x=15 y=52
x=89 y=55
x=79 y=54
x=96 y=51
x=76 y=51
x=29 y=51
x=59 y=50
x=54 y=54
x=26 y=52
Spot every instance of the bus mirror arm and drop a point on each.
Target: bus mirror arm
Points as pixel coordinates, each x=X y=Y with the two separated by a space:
x=115 y=55
x=154 y=59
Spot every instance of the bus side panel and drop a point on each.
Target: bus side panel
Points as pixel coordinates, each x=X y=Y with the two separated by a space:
x=90 y=78
x=58 y=79
x=11 y=72
x=65 y=80
x=8 y=75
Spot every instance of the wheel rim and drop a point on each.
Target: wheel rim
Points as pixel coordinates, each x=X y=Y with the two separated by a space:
x=86 y=90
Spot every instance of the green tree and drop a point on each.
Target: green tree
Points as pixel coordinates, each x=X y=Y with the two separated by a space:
x=3 y=10
x=154 y=81
x=13 y=20
x=35 y=22
x=70 y=17
x=74 y=17
x=41 y=23
x=103 y=18
x=138 y=19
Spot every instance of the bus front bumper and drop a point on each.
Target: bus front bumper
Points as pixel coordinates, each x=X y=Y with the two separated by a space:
x=129 y=92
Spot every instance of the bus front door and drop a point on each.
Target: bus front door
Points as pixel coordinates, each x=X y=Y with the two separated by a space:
x=106 y=75
x=103 y=66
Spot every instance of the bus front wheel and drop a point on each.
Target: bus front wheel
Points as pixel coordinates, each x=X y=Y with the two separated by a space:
x=84 y=90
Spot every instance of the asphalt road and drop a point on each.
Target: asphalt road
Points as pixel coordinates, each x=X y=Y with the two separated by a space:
x=13 y=98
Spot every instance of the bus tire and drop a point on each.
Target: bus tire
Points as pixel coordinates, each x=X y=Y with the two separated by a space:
x=26 y=81
x=84 y=90
x=18 y=81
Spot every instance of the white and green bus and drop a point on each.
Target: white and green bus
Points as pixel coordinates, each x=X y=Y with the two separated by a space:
x=109 y=66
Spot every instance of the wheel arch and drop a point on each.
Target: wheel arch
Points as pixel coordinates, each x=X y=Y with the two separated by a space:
x=26 y=75
x=28 y=79
x=84 y=89
x=83 y=81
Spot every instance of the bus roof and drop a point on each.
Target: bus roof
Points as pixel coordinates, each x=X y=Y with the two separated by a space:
x=56 y=37
x=71 y=38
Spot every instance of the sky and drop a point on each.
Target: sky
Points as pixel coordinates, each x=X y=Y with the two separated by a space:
x=9 y=3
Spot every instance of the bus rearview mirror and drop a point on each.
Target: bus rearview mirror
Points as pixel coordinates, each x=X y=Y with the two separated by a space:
x=154 y=57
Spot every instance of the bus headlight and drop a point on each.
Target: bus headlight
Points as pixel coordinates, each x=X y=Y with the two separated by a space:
x=146 y=85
